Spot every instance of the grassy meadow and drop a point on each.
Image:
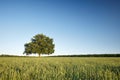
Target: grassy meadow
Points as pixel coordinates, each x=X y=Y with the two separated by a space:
x=59 y=68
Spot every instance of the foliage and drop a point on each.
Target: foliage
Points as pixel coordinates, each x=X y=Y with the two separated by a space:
x=59 y=68
x=40 y=44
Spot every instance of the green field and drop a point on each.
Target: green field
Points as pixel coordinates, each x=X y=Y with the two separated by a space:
x=59 y=68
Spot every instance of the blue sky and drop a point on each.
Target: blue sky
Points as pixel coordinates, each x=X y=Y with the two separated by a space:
x=77 y=26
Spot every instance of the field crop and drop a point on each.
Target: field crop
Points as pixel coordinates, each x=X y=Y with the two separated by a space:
x=59 y=68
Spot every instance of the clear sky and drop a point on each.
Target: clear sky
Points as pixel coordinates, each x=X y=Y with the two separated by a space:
x=77 y=26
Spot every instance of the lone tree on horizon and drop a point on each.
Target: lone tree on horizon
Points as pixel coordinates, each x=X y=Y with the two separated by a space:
x=40 y=44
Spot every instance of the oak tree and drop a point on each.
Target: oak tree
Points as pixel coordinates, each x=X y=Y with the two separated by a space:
x=40 y=44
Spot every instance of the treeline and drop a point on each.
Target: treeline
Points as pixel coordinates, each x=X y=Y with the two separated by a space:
x=5 y=55
x=87 y=55
x=90 y=55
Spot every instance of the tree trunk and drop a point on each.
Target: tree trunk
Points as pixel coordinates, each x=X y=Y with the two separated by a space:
x=39 y=55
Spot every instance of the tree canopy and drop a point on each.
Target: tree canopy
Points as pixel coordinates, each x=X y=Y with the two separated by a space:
x=40 y=44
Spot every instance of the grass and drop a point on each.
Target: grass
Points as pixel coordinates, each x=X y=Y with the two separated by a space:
x=59 y=68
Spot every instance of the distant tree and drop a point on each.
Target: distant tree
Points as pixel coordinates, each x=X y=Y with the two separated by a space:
x=40 y=44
